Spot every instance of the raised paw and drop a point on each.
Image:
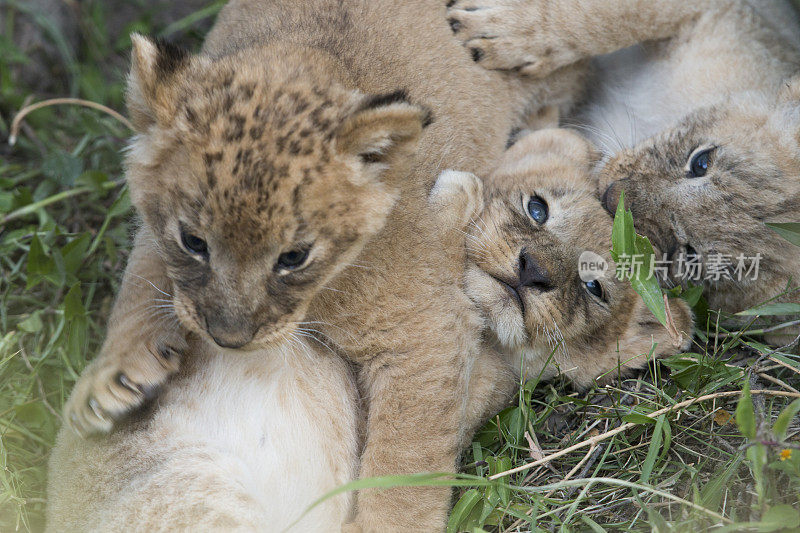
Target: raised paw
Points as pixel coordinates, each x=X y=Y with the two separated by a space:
x=119 y=381
x=511 y=35
x=456 y=197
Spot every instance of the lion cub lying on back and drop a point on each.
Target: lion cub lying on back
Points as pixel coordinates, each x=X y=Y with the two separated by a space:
x=700 y=122
x=541 y=214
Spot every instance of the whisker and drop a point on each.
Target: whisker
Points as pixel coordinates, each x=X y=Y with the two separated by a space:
x=308 y=335
x=151 y=284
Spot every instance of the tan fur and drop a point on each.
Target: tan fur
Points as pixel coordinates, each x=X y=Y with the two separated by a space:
x=266 y=143
x=559 y=327
x=704 y=73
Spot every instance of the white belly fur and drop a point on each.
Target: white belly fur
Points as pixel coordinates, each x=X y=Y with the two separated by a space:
x=279 y=425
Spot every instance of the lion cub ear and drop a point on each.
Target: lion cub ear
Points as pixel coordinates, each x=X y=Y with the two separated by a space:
x=644 y=330
x=151 y=82
x=560 y=143
x=381 y=127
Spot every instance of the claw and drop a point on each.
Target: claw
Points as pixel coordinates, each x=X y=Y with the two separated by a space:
x=168 y=356
x=125 y=382
x=94 y=405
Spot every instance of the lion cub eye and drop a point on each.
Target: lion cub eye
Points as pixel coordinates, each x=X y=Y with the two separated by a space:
x=699 y=163
x=594 y=288
x=537 y=209
x=293 y=259
x=194 y=244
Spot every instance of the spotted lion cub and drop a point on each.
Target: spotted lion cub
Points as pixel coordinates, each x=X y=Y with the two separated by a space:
x=279 y=204
x=541 y=218
x=698 y=121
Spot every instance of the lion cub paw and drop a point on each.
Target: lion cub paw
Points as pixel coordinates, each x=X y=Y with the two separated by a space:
x=456 y=198
x=511 y=35
x=119 y=381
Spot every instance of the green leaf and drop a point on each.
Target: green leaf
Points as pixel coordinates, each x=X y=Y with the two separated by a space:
x=745 y=414
x=711 y=494
x=77 y=326
x=6 y=201
x=32 y=324
x=651 y=294
x=636 y=418
x=667 y=428
x=773 y=309
x=789 y=231
x=692 y=295
x=74 y=253
x=94 y=179
x=73 y=306
x=121 y=206
x=627 y=245
x=62 y=167
x=785 y=418
x=462 y=510
x=516 y=425
x=622 y=234
x=780 y=517
x=503 y=464
x=40 y=265
x=653 y=451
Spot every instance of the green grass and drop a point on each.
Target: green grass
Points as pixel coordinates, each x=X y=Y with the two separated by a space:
x=65 y=228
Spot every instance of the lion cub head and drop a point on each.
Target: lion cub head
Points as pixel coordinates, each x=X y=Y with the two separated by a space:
x=262 y=177
x=703 y=191
x=541 y=215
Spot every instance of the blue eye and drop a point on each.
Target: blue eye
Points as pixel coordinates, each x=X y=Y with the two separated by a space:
x=537 y=209
x=698 y=166
x=594 y=288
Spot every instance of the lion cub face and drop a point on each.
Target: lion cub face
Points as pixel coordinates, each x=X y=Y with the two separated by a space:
x=703 y=192
x=262 y=180
x=541 y=215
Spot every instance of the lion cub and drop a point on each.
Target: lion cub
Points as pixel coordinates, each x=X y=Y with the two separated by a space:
x=540 y=219
x=279 y=204
x=697 y=123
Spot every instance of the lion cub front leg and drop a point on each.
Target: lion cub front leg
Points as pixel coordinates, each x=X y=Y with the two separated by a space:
x=142 y=349
x=538 y=37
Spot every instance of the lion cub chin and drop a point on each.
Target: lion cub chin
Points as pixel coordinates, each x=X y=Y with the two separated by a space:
x=540 y=219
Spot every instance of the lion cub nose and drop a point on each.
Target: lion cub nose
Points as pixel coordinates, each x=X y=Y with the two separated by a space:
x=531 y=274
x=229 y=333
